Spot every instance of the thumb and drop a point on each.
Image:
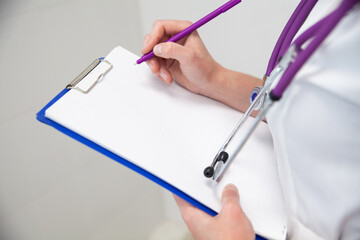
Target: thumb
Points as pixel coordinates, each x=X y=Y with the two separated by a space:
x=233 y=216
x=231 y=200
x=174 y=51
x=230 y=195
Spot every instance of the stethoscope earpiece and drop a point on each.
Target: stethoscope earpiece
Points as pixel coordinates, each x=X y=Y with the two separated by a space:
x=209 y=172
x=222 y=157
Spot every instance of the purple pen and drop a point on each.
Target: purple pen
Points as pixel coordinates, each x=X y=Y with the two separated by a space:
x=193 y=27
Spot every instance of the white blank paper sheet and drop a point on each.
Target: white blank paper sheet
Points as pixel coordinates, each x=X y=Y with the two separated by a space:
x=174 y=134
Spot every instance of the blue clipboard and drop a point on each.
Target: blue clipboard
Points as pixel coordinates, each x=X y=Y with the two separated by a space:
x=40 y=116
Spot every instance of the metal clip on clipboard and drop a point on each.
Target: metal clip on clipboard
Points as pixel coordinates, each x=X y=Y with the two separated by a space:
x=92 y=66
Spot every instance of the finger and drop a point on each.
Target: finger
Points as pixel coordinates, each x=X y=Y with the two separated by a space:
x=181 y=202
x=176 y=51
x=159 y=67
x=186 y=209
x=163 y=28
x=193 y=217
x=154 y=65
x=231 y=203
x=164 y=73
x=145 y=48
x=230 y=195
x=145 y=42
x=232 y=213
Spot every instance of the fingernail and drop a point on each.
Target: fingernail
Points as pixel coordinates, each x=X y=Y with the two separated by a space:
x=157 y=49
x=232 y=187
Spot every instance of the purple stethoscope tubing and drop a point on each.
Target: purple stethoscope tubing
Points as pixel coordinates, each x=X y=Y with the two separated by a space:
x=291 y=58
x=291 y=28
x=318 y=33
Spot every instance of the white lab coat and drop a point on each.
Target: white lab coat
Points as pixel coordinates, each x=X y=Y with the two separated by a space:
x=316 y=132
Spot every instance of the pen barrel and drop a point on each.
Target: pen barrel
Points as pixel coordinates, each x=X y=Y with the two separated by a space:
x=229 y=5
x=145 y=57
x=187 y=31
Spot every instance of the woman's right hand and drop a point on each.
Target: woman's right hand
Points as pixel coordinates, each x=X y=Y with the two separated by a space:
x=188 y=62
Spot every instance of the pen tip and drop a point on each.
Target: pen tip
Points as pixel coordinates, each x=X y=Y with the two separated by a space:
x=135 y=63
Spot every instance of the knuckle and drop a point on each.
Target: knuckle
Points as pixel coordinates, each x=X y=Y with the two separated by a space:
x=157 y=23
x=168 y=48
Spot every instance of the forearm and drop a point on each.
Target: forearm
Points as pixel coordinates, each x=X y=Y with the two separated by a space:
x=231 y=88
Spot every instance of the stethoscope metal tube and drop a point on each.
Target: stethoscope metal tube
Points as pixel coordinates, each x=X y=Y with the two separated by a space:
x=223 y=167
x=222 y=160
x=293 y=59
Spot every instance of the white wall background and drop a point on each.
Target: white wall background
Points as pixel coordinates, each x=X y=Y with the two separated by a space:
x=52 y=187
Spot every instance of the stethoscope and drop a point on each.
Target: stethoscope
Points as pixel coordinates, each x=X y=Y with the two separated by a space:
x=286 y=60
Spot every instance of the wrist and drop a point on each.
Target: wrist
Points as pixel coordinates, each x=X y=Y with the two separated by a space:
x=214 y=87
x=230 y=87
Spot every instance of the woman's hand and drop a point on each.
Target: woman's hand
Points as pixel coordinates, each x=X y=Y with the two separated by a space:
x=230 y=224
x=188 y=62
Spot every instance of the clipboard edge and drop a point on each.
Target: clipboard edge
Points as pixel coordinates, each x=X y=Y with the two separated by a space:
x=40 y=116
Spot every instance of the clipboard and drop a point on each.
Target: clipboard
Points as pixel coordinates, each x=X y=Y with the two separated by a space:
x=99 y=73
x=40 y=116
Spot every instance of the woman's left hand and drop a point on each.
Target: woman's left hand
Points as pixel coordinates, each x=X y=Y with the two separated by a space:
x=230 y=224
